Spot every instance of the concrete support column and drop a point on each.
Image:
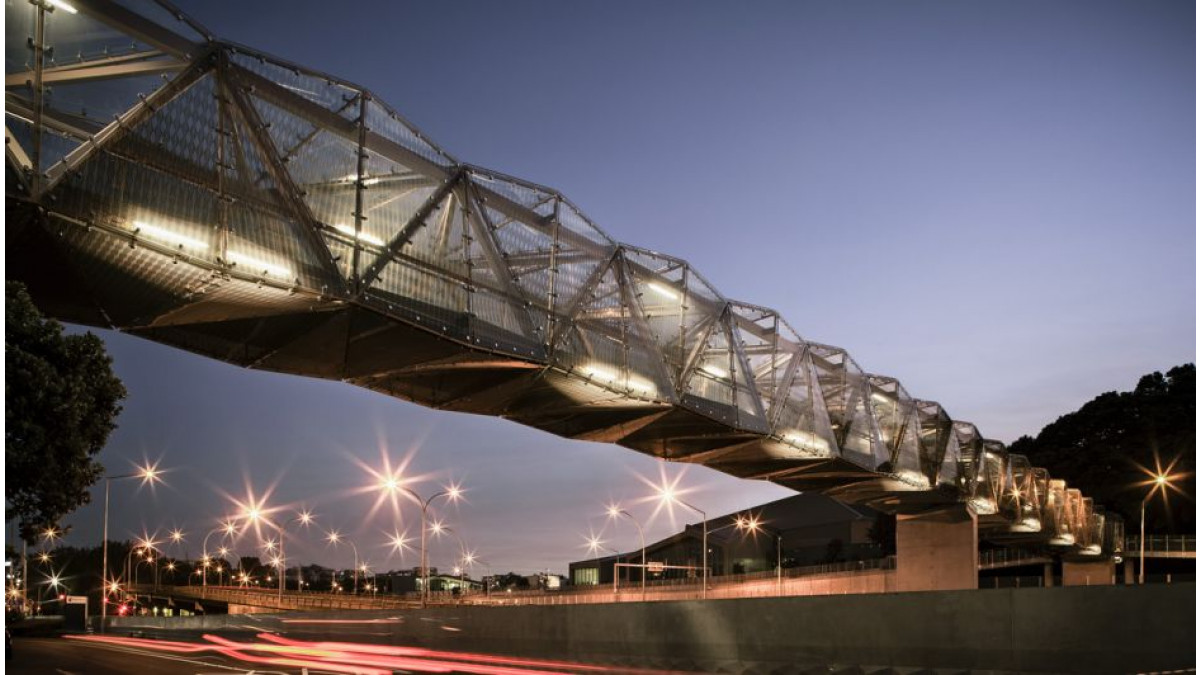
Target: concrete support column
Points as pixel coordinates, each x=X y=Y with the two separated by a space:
x=1048 y=575
x=1085 y=572
x=938 y=550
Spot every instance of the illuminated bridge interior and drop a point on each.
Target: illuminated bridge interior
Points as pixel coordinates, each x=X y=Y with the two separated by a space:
x=204 y=195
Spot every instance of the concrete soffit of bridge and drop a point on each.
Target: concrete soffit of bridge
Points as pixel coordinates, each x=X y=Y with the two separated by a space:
x=285 y=219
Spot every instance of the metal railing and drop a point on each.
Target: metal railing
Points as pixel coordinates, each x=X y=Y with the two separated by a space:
x=1010 y=557
x=1170 y=544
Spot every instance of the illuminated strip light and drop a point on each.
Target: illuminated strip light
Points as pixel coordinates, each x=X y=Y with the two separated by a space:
x=361 y=236
x=632 y=383
x=258 y=265
x=64 y=6
x=663 y=291
x=167 y=235
x=714 y=371
x=807 y=440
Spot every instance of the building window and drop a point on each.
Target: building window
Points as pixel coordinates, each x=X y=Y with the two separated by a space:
x=586 y=576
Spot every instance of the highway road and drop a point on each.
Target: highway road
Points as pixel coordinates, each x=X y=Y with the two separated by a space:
x=59 y=656
x=265 y=654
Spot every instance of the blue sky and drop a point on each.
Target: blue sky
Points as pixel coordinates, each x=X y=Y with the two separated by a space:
x=992 y=201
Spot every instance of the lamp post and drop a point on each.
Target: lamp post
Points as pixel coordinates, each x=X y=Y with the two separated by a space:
x=437 y=529
x=335 y=539
x=452 y=492
x=615 y=511
x=1160 y=482
x=229 y=529
x=668 y=495
x=148 y=474
x=595 y=545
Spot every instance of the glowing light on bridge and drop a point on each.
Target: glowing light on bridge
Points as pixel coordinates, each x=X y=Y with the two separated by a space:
x=168 y=236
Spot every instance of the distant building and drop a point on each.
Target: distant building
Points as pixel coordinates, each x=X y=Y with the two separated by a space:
x=805 y=529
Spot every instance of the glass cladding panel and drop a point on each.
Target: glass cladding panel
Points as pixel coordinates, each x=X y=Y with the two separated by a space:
x=389 y=125
x=55 y=145
x=438 y=240
x=713 y=375
x=101 y=100
x=20 y=25
x=424 y=297
x=933 y=436
x=329 y=95
x=149 y=9
x=658 y=283
x=535 y=199
x=323 y=166
x=160 y=213
x=577 y=223
x=1016 y=501
x=948 y=471
x=594 y=341
x=78 y=37
x=499 y=324
x=643 y=354
x=970 y=446
x=526 y=251
x=392 y=196
x=181 y=136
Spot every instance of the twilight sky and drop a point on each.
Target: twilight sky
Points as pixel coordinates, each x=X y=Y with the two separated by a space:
x=992 y=201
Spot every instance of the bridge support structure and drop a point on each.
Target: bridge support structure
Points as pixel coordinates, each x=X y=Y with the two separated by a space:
x=938 y=550
x=1098 y=571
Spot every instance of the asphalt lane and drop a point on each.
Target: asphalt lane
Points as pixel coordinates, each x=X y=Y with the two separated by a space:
x=59 y=656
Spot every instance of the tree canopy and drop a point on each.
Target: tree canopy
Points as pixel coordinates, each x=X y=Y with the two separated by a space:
x=1100 y=447
x=61 y=403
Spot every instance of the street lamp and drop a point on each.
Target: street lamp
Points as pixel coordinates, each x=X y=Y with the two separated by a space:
x=1161 y=482
x=465 y=555
x=667 y=494
x=615 y=511
x=452 y=492
x=335 y=539
x=751 y=524
x=149 y=474
x=595 y=545
x=228 y=529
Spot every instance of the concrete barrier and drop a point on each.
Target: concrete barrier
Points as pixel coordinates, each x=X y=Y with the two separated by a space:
x=1113 y=629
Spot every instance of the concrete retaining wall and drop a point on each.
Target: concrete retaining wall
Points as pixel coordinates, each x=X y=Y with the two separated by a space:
x=1059 y=630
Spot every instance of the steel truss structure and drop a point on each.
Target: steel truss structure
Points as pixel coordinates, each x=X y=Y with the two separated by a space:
x=205 y=195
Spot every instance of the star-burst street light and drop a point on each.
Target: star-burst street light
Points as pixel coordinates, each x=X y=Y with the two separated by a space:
x=333 y=537
x=1159 y=481
x=393 y=484
x=615 y=511
x=149 y=474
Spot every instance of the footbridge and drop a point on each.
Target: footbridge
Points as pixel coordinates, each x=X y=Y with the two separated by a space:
x=205 y=195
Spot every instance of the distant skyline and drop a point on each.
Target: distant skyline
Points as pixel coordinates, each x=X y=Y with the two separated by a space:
x=992 y=202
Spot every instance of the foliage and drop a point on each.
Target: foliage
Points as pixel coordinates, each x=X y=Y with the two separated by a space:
x=61 y=404
x=1099 y=448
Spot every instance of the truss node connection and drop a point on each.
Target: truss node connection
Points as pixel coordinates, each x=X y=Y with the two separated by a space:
x=208 y=196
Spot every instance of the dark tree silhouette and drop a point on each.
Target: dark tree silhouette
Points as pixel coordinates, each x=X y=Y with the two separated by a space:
x=61 y=404
x=1100 y=447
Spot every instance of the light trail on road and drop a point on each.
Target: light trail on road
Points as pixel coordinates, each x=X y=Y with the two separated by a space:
x=352 y=658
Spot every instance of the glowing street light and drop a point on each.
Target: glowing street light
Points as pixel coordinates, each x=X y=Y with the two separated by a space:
x=149 y=475
x=615 y=511
x=227 y=529
x=335 y=539
x=1160 y=481
x=668 y=496
x=452 y=492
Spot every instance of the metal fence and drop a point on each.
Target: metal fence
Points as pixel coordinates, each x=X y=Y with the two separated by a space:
x=1169 y=544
